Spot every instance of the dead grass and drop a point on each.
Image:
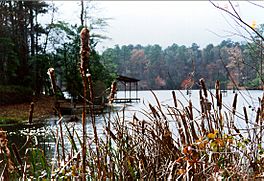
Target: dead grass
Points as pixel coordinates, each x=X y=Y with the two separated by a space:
x=42 y=109
x=170 y=143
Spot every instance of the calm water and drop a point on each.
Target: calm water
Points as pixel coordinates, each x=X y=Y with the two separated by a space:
x=43 y=133
x=249 y=99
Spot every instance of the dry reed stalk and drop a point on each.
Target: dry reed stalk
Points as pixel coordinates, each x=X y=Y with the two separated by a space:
x=261 y=115
x=257 y=122
x=31 y=110
x=4 y=175
x=180 y=128
x=202 y=103
x=220 y=113
x=190 y=111
x=18 y=157
x=5 y=153
x=188 y=140
x=85 y=53
x=202 y=111
x=83 y=124
x=233 y=110
x=219 y=102
x=55 y=152
x=51 y=73
x=96 y=139
x=154 y=112
x=62 y=141
x=90 y=83
x=245 y=115
x=217 y=92
x=159 y=106
x=205 y=105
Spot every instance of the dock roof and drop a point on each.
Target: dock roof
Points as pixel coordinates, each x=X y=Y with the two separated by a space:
x=126 y=79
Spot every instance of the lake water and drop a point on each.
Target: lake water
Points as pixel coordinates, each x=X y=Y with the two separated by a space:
x=249 y=99
x=44 y=132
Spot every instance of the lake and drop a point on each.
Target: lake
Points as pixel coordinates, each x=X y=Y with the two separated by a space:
x=44 y=132
x=249 y=99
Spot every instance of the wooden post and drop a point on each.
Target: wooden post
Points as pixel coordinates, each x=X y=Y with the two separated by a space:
x=130 y=90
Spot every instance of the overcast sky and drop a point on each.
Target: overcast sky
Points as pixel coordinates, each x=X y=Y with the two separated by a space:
x=165 y=22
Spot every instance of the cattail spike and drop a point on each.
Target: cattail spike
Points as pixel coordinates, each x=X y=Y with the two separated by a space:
x=51 y=74
x=113 y=92
x=85 y=49
x=234 y=104
x=203 y=87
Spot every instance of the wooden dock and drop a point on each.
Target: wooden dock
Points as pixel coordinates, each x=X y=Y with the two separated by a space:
x=126 y=100
x=68 y=108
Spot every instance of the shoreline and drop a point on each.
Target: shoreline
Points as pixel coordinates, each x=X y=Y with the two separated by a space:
x=16 y=113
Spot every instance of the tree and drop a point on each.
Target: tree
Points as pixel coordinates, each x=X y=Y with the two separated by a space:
x=255 y=35
x=20 y=31
x=67 y=54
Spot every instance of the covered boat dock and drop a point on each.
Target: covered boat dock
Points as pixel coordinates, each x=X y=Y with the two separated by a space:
x=127 y=84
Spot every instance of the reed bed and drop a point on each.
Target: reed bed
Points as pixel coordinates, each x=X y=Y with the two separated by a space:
x=169 y=143
x=207 y=146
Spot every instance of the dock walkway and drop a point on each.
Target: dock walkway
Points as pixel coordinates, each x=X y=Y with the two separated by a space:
x=126 y=100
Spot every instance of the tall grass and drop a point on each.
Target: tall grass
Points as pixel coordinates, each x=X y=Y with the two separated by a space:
x=207 y=146
x=169 y=143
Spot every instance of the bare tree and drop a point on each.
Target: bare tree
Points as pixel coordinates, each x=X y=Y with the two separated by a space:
x=255 y=34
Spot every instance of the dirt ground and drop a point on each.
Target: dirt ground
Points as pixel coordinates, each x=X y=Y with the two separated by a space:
x=43 y=108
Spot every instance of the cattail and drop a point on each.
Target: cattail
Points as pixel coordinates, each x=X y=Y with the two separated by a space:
x=174 y=99
x=191 y=110
x=154 y=111
x=51 y=74
x=234 y=104
x=238 y=132
x=113 y=92
x=203 y=87
x=84 y=52
x=184 y=122
x=217 y=89
x=220 y=101
x=85 y=49
x=245 y=114
x=257 y=116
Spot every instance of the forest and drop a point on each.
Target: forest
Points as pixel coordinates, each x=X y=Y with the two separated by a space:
x=233 y=63
x=28 y=48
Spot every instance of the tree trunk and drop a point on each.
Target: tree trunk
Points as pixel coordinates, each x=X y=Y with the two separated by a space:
x=23 y=46
x=82 y=12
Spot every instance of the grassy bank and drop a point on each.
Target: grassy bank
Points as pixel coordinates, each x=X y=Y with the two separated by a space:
x=18 y=112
